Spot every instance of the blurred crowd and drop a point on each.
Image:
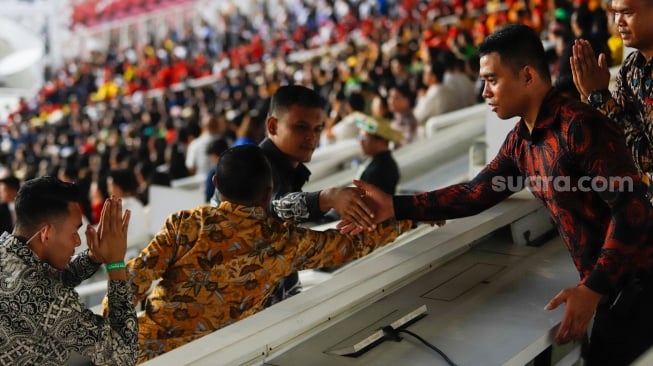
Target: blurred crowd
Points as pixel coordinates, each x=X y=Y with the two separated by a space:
x=144 y=109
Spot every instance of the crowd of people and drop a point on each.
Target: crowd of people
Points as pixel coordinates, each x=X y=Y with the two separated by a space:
x=135 y=109
x=319 y=72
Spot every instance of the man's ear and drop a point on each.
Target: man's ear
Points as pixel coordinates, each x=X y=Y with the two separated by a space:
x=271 y=125
x=46 y=233
x=529 y=74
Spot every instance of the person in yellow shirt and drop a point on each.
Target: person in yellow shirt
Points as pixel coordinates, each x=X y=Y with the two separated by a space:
x=218 y=265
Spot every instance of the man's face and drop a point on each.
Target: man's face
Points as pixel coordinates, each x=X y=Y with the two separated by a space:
x=503 y=88
x=634 y=22
x=63 y=238
x=297 y=132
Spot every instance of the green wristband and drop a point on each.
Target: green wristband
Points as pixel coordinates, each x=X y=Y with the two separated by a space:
x=114 y=266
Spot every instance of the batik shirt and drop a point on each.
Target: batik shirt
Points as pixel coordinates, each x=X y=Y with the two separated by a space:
x=631 y=106
x=218 y=265
x=42 y=320
x=576 y=162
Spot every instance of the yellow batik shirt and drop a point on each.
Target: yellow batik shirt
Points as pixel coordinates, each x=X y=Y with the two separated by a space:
x=218 y=265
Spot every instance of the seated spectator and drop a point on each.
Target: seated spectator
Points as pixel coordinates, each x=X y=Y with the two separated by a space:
x=401 y=101
x=44 y=321
x=438 y=98
x=220 y=264
x=251 y=129
x=345 y=128
x=121 y=183
x=8 y=190
x=381 y=168
x=197 y=162
x=214 y=150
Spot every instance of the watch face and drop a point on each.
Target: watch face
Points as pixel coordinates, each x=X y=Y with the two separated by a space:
x=597 y=97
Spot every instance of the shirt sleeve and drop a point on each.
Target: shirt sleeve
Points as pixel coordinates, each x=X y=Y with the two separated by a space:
x=169 y=243
x=602 y=154
x=297 y=206
x=491 y=186
x=620 y=107
x=314 y=249
x=111 y=340
x=80 y=268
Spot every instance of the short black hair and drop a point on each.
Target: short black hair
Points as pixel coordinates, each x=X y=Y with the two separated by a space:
x=405 y=90
x=11 y=182
x=42 y=199
x=289 y=95
x=125 y=179
x=438 y=69
x=356 y=102
x=243 y=174
x=518 y=45
x=217 y=146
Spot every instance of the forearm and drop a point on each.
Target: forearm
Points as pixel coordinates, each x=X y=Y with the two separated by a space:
x=461 y=200
x=104 y=340
x=79 y=269
x=625 y=250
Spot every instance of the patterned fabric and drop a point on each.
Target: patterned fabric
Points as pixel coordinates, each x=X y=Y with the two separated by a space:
x=291 y=207
x=42 y=320
x=218 y=265
x=631 y=106
x=605 y=229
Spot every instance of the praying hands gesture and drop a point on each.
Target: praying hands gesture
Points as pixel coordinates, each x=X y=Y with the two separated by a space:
x=108 y=243
x=588 y=72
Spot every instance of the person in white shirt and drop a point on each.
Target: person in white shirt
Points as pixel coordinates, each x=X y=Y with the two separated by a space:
x=438 y=98
x=197 y=160
x=346 y=128
x=457 y=80
x=121 y=183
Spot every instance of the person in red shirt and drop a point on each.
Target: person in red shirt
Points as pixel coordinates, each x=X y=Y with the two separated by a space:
x=575 y=161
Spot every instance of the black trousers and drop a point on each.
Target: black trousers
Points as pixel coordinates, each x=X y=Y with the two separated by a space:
x=623 y=327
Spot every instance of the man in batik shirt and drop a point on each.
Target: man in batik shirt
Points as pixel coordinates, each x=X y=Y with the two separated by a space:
x=218 y=265
x=42 y=321
x=630 y=103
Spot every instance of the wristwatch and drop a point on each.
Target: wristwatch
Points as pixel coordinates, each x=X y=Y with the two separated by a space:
x=598 y=97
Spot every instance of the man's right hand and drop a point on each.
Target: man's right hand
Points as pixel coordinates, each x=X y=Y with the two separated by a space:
x=588 y=72
x=377 y=200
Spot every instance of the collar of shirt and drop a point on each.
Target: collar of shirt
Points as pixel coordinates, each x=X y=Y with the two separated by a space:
x=280 y=161
x=21 y=250
x=640 y=60
x=250 y=212
x=545 y=117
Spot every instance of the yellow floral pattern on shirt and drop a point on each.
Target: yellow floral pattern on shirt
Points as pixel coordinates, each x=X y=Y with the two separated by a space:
x=217 y=266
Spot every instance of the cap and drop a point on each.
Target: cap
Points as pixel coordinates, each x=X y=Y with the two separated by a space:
x=376 y=127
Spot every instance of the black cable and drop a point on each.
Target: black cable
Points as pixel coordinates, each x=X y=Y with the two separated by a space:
x=393 y=334
x=427 y=344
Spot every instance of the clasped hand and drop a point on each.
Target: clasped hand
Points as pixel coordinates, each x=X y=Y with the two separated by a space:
x=108 y=243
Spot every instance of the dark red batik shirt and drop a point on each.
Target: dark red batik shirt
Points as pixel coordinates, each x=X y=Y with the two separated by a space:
x=577 y=163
